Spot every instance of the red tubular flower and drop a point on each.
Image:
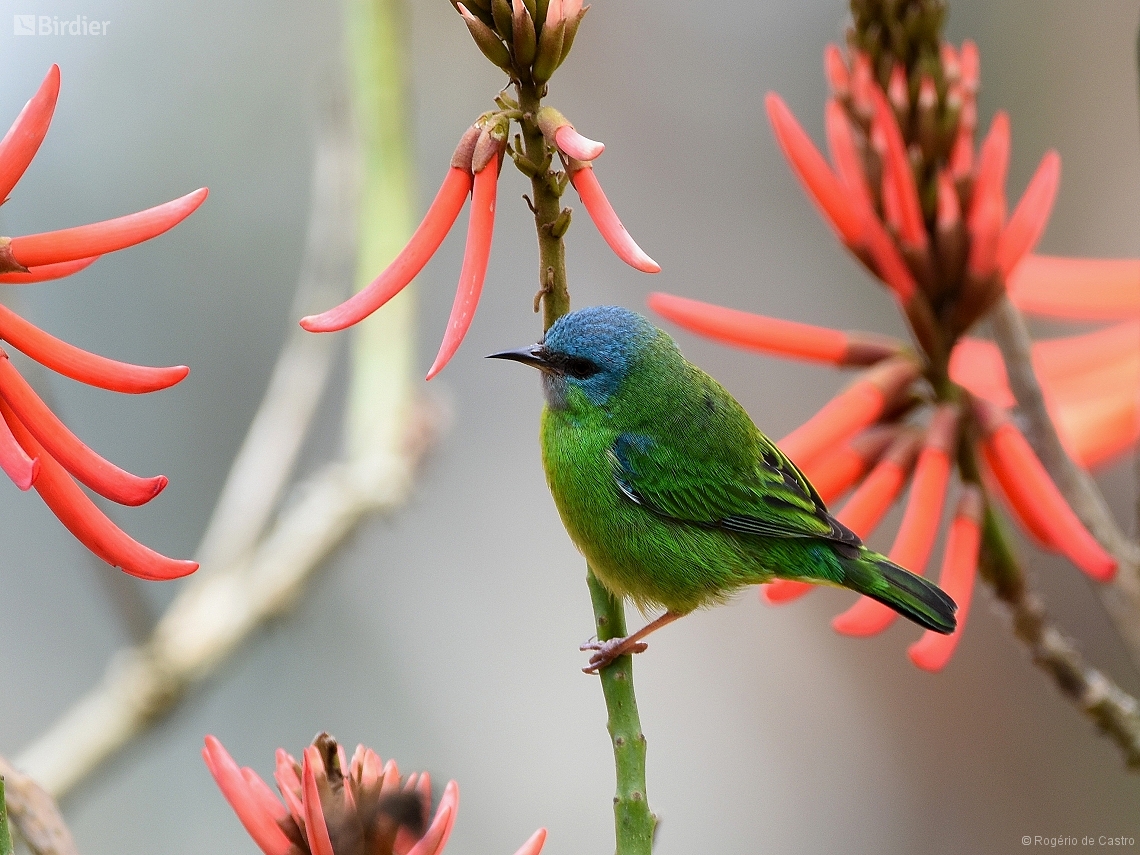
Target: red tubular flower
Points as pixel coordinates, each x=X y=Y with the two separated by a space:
x=36 y=449
x=773 y=335
x=1028 y=222
x=959 y=570
x=606 y=220
x=1082 y=289
x=475 y=258
x=919 y=525
x=912 y=229
x=993 y=164
x=833 y=473
x=835 y=69
x=845 y=155
x=1029 y=487
x=437 y=222
x=335 y=807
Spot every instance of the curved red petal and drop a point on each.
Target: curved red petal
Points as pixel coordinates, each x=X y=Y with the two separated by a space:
x=607 y=222
x=896 y=164
x=1031 y=215
x=259 y=823
x=435 y=838
x=534 y=843
x=572 y=143
x=316 y=829
x=476 y=255
x=835 y=69
x=47 y=272
x=993 y=164
x=1090 y=289
x=845 y=155
x=426 y=239
x=23 y=139
x=102 y=476
x=15 y=462
x=71 y=361
x=106 y=236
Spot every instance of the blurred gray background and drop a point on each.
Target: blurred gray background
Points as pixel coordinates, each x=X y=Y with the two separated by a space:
x=446 y=636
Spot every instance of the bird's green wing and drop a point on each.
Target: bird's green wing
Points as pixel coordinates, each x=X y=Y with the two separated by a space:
x=750 y=490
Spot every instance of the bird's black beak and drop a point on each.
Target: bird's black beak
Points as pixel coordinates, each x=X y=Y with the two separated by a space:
x=533 y=355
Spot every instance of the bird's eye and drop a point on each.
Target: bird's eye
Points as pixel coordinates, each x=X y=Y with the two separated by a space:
x=578 y=367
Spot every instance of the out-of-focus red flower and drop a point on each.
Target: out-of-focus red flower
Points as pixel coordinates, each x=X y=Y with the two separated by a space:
x=333 y=806
x=36 y=448
x=906 y=192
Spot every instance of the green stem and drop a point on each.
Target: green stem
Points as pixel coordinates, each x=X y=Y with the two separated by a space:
x=5 y=834
x=633 y=820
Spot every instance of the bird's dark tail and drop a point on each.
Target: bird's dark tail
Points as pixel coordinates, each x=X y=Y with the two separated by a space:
x=911 y=596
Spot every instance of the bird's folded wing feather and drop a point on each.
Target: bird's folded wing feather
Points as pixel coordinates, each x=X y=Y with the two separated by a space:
x=757 y=490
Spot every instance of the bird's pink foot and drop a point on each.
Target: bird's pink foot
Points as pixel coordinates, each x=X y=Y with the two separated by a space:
x=607 y=651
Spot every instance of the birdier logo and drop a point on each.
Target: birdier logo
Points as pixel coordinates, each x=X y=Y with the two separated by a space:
x=51 y=25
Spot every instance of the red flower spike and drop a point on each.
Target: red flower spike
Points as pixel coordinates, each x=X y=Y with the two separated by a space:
x=107 y=236
x=896 y=164
x=919 y=526
x=814 y=173
x=316 y=830
x=475 y=257
x=250 y=809
x=774 y=335
x=102 y=476
x=89 y=525
x=993 y=164
x=959 y=570
x=23 y=139
x=1031 y=216
x=860 y=405
x=573 y=144
x=985 y=234
x=437 y=222
x=15 y=462
x=534 y=843
x=47 y=272
x=1031 y=490
x=845 y=155
x=1084 y=289
x=606 y=221
x=835 y=69
x=71 y=361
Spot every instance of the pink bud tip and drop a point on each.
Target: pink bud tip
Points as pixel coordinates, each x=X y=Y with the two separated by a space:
x=573 y=144
x=23 y=139
x=89 y=525
x=1092 y=289
x=15 y=462
x=47 y=272
x=971 y=66
x=440 y=217
x=1030 y=217
x=607 y=222
x=838 y=78
x=898 y=89
x=534 y=843
x=107 y=236
x=813 y=172
x=247 y=803
x=476 y=256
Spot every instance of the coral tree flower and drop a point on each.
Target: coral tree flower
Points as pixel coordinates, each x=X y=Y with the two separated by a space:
x=332 y=806
x=529 y=42
x=926 y=214
x=36 y=448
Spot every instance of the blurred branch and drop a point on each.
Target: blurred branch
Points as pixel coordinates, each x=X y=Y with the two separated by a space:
x=1121 y=597
x=34 y=813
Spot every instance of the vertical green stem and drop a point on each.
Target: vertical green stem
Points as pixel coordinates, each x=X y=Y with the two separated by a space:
x=632 y=818
x=5 y=834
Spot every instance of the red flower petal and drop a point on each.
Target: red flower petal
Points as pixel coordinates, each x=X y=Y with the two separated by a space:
x=833 y=473
x=475 y=258
x=23 y=139
x=607 y=222
x=316 y=830
x=845 y=155
x=813 y=172
x=534 y=843
x=15 y=462
x=80 y=365
x=1097 y=430
x=107 y=236
x=1086 y=289
x=919 y=526
x=971 y=66
x=437 y=222
x=1031 y=216
x=89 y=525
x=959 y=569
x=250 y=810
x=1029 y=487
x=46 y=272
x=102 y=476
x=573 y=144
x=896 y=164
x=264 y=796
x=836 y=72
x=985 y=235
x=993 y=164
x=436 y=836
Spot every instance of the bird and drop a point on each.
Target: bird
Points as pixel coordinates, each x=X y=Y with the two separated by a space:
x=674 y=496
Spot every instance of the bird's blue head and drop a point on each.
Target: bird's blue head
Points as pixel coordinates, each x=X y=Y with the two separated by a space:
x=591 y=349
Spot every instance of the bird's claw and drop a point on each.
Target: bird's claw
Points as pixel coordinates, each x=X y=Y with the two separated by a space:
x=607 y=651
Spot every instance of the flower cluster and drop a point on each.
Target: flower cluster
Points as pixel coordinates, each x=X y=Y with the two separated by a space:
x=368 y=811
x=925 y=213
x=36 y=448
x=528 y=39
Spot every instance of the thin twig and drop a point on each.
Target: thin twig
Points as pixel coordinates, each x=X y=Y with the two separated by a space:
x=34 y=813
x=1121 y=597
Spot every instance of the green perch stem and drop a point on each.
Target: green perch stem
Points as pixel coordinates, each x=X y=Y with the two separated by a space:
x=633 y=820
x=5 y=834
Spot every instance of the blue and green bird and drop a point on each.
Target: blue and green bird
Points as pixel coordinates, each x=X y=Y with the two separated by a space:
x=674 y=496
